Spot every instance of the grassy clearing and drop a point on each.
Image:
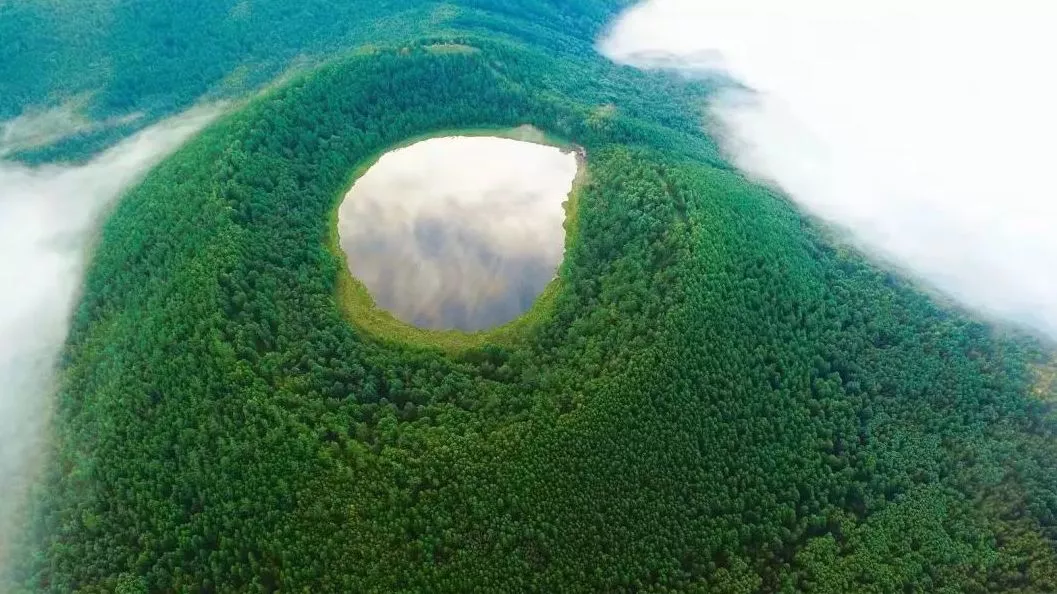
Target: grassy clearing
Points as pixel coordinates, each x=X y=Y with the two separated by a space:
x=359 y=307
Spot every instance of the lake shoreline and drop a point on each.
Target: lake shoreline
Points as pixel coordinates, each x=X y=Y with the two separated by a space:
x=361 y=308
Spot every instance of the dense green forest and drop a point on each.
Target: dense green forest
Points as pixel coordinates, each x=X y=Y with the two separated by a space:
x=151 y=58
x=720 y=398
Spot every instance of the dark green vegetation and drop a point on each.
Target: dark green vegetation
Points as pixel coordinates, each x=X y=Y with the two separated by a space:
x=721 y=399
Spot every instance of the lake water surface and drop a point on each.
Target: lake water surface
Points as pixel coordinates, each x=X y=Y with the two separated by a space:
x=458 y=232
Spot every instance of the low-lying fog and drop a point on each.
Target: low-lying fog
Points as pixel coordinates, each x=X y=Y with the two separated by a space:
x=47 y=219
x=458 y=232
x=924 y=127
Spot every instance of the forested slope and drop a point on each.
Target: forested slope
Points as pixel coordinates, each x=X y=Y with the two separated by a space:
x=721 y=399
x=152 y=58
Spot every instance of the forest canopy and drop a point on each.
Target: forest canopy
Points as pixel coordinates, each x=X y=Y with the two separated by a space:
x=719 y=397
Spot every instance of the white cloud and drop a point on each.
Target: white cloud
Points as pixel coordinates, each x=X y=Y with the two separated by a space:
x=47 y=219
x=924 y=127
x=41 y=127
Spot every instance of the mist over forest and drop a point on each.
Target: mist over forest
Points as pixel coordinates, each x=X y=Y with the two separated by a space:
x=49 y=217
x=790 y=330
x=893 y=120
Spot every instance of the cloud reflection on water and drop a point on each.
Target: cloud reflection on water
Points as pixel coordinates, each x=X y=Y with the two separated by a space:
x=458 y=232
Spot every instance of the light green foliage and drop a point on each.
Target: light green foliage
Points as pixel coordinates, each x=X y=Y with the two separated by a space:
x=716 y=399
